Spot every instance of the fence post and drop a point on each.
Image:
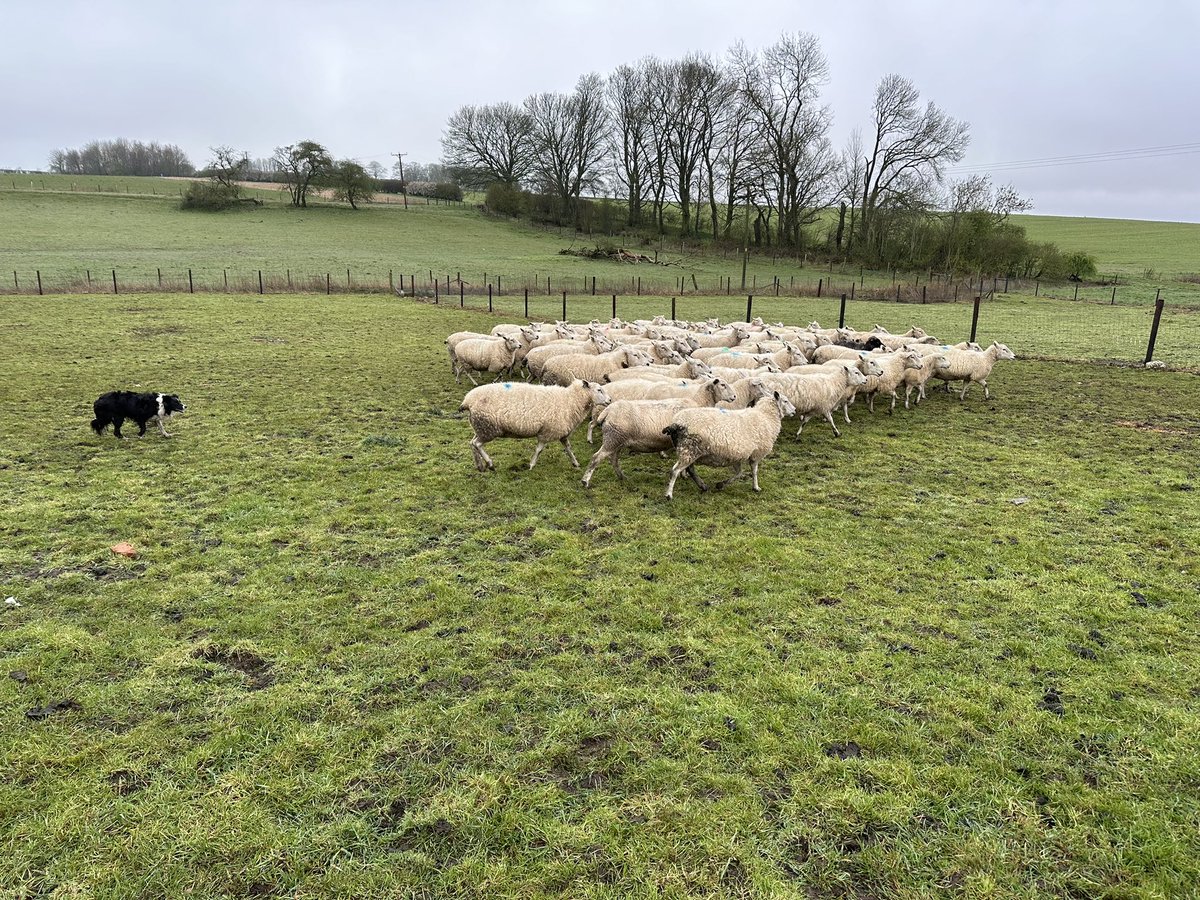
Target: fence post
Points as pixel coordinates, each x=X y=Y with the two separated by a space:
x=226 y=272
x=489 y=298
x=1037 y=286
x=191 y=287
x=114 y=271
x=614 y=311
x=852 y=291
x=975 y=317
x=526 y=303
x=89 y=278
x=1006 y=284
x=842 y=313
x=564 y=318
x=897 y=293
x=498 y=291
x=1158 y=308
x=923 y=293
x=593 y=285
x=820 y=284
x=160 y=279
x=461 y=299
x=956 y=293
x=17 y=283
x=1114 y=297
x=639 y=290
x=547 y=285
x=39 y=279
x=328 y=285
x=749 y=305
x=1076 y=297
x=391 y=283
x=672 y=309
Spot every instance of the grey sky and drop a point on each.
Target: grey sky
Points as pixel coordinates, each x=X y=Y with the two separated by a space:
x=367 y=78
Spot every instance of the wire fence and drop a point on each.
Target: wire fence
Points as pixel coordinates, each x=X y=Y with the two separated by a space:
x=1061 y=322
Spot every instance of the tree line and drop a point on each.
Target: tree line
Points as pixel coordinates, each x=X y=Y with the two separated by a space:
x=737 y=148
x=122 y=157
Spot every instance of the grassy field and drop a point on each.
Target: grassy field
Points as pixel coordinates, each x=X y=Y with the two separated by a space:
x=953 y=653
x=135 y=226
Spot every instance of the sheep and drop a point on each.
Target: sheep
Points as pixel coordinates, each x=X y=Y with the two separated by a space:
x=484 y=355
x=893 y=368
x=680 y=389
x=638 y=425
x=689 y=368
x=515 y=409
x=818 y=394
x=898 y=341
x=916 y=378
x=728 y=337
x=536 y=359
x=834 y=351
x=565 y=369
x=735 y=375
x=723 y=437
x=970 y=366
x=527 y=334
x=868 y=364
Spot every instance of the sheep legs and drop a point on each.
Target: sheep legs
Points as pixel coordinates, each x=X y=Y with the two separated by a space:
x=598 y=457
x=691 y=471
x=731 y=479
x=541 y=445
x=754 y=474
x=483 y=462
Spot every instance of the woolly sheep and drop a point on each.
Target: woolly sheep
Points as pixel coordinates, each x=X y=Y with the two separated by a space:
x=723 y=437
x=681 y=389
x=638 y=425
x=484 y=355
x=866 y=363
x=970 y=366
x=817 y=394
x=735 y=375
x=915 y=379
x=893 y=367
x=536 y=359
x=516 y=409
x=565 y=369
x=689 y=368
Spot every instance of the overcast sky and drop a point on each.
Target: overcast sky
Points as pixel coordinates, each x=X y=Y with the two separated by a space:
x=1036 y=80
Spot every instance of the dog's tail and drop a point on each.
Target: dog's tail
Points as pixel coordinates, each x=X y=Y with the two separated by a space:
x=676 y=433
x=98 y=426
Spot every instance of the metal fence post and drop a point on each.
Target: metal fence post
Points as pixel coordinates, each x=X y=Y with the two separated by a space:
x=842 y=313
x=975 y=318
x=1158 y=308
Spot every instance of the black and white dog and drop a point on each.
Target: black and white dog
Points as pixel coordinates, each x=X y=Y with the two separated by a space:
x=117 y=406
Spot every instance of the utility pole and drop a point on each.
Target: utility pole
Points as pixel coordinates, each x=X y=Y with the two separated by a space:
x=403 y=184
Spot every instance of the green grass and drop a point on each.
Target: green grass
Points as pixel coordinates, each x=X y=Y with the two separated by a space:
x=1125 y=246
x=345 y=664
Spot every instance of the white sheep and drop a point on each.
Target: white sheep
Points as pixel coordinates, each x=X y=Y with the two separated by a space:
x=970 y=366
x=516 y=409
x=536 y=359
x=484 y=355
x=893 y=367
x=566 y=368
x=689 y=368
x=638 y=425
x=654 y=389
x=867 y=363
x=914 y=378
x=817 y=394
x=726 y=437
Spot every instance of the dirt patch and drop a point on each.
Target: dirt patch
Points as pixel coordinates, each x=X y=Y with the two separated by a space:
x=125 y=782
x=44 y=712
x=254 y=667
x=848 y=750
x=1152 y=427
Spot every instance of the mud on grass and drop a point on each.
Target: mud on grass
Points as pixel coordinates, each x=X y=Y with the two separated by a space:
x=346 y=664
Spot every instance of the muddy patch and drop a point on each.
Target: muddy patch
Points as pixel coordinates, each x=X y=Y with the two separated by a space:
x=256 y=669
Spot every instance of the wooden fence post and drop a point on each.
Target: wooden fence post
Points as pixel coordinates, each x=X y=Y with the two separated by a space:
x=328 y=285
x=1158 y=308
x=1114 y=297
x=842 y=313
x=564 y=318
x=593 y=285
x=1037 y=286
x=289 y=278
x=160 y=279
x=260 y=286
x=820 y=285
x=923 y=293
x=975 y=317
x=114 y=271
x=191 y=287
x=489 y=297
x=614 y=309
x=749 y=305
x=672 y=309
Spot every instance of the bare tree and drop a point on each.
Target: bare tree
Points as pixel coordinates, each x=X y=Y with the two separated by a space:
x=629 y=112
x=691 y=86
x=851 y=165
x=781 y=84
x=569 y=133
x=228 y=168
x=485 y=144
x=376 y=169
x=909 y=152
x=301 y=165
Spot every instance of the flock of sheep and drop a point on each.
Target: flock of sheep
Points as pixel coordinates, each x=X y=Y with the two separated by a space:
x=715 y=394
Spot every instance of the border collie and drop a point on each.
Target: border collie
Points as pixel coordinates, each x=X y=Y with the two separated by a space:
x=117 y=406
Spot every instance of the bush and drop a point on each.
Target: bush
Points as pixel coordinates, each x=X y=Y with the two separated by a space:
x=389 y=185
x=447 y=190
x=1080 y=265
x=506 y=200
x=210 y=196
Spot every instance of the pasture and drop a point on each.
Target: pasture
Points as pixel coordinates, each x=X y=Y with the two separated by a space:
x=952 y=653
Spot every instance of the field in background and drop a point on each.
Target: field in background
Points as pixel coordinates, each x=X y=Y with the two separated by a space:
x=954 y=651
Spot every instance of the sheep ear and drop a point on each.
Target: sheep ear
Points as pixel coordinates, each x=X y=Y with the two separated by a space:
x=777 y=395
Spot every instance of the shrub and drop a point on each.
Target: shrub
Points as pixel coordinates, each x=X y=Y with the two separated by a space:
x=447 y=190
x=506 y=200
x=1080 y=265
x=210 y=196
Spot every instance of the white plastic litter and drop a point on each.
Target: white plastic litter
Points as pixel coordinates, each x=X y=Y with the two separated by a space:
x=13 y=602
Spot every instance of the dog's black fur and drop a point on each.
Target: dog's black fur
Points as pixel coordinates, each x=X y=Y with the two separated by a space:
x=117 y=406
x=871 y=343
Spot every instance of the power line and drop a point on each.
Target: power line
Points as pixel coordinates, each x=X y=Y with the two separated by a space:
x=1167 y=150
